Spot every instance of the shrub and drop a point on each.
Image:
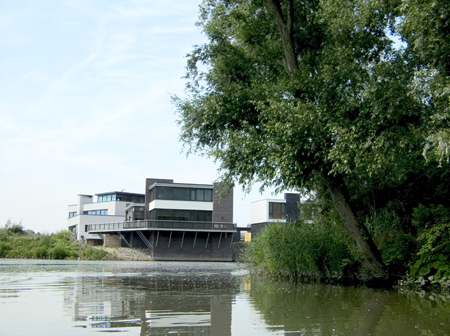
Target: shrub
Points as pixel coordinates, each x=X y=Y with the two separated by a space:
x=4 y=235
x=58 y=252
x=39 y=252
x=433 y=241
x=92 y=253
x=61 y=245
x=434 y=252
x=396 y=246
x=13 y=227
x=4 y=248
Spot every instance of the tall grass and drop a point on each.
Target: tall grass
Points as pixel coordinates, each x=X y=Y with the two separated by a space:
x=301 y=252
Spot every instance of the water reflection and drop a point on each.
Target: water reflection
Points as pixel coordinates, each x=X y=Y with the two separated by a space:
x=200 y=299
x=332 y=310
x=157 y=304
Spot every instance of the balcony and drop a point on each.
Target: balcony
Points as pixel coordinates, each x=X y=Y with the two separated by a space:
x=162 y=225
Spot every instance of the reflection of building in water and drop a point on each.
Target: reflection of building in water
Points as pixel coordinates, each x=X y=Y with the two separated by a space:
x=94 y=299
x=158 y=305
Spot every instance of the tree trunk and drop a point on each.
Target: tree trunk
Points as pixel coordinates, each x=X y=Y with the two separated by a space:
x=359 y=232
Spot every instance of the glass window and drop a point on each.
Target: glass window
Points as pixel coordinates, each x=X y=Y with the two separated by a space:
x=208 y=195
x=181 y=194
x=181 y=215
x=113 y=197
x=164 y=214
x=277 y=210
x=199 y=195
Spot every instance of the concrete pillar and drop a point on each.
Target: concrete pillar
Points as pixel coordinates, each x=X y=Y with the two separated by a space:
x=111 y=240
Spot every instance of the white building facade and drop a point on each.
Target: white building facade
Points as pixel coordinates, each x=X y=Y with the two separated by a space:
x=274 y=210
x=268 y=210
x=99 y=208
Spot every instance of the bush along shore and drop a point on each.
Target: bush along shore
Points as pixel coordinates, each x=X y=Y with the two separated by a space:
x=15 y=242
x=324 y=252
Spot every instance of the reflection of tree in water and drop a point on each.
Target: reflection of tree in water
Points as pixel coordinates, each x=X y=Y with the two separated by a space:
x=317 y=309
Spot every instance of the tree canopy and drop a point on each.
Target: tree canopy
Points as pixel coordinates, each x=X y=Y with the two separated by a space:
x=312 y=95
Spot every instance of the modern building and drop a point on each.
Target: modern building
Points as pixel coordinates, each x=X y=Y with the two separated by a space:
x=103 y=208
x=266 y=211
x=174 y=221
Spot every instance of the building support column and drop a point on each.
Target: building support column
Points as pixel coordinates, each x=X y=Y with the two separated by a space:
x=182 y=239
x=220 y=238
x=124 y=239
x=207 y=239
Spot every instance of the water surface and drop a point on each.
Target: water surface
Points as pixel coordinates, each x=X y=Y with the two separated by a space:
x=39 y=297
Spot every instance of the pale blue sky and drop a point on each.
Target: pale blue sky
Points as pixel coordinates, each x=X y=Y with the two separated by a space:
x=85 y=103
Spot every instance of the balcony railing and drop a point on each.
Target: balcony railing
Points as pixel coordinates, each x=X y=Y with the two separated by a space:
x=162 y=225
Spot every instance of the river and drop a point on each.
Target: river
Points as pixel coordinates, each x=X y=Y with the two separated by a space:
x=49 y=297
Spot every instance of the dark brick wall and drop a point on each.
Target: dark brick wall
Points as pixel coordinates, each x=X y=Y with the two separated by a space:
x=148 y=183
x=257 y=227
x=292 y=209
x=222 y=206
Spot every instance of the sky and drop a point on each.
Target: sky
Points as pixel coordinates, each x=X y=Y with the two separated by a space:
x=85 y=104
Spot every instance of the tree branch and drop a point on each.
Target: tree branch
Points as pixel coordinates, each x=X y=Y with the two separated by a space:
x=286 y=28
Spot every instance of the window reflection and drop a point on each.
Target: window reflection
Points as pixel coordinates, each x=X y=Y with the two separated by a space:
x=181 y=215
x=181 y=194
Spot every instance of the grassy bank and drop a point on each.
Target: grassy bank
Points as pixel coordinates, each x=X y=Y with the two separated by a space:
x=17 y=243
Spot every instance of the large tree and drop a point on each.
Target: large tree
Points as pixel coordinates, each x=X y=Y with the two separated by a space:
x=308 y=95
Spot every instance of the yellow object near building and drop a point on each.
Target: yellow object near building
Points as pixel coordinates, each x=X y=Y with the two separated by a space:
x=248 y=237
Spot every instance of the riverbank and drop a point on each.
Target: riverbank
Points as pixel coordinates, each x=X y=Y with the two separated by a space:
x=127 y=254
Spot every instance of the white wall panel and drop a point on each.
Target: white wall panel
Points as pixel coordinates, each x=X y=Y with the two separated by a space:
x=181 y=205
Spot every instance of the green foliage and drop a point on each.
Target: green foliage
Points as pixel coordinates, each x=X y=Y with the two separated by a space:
x=347 y=110
x=92 y=253
x=350 y=111
x=395 y=245
x=425 y=26
x=13 y=227
x=61 y=245
x=4 y=248
x=433 y=256
x=300 y=251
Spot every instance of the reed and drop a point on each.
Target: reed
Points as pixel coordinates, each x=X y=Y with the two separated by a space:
x=302 y=252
